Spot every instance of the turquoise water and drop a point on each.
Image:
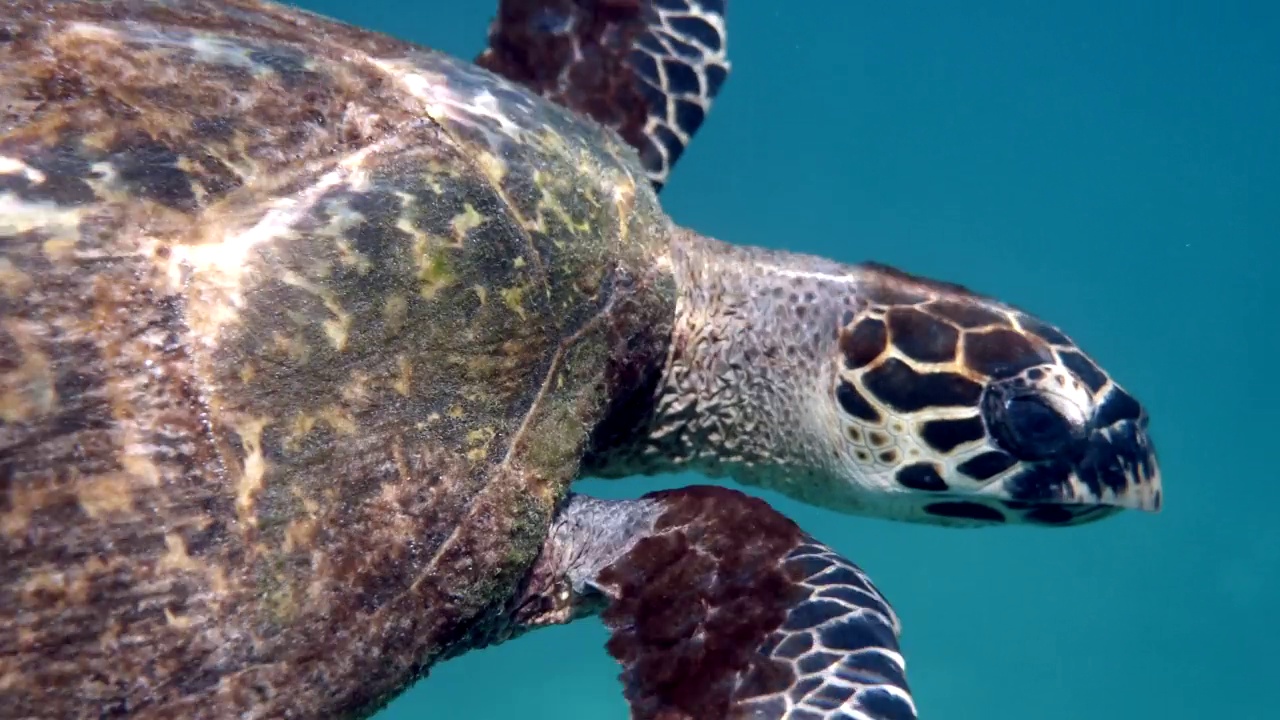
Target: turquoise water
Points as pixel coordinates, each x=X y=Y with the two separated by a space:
x=1113 y=167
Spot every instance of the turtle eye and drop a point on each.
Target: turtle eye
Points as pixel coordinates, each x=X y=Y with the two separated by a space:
x=1031 y=428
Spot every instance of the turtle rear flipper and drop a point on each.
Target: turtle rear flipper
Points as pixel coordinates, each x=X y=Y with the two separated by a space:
x=650 y=70
x=719 y=606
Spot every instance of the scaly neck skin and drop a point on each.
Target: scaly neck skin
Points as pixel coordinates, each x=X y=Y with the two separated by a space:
x=745 y=379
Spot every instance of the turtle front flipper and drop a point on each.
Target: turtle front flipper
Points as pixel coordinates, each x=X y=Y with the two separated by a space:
x=718 y=607
x=649 y=70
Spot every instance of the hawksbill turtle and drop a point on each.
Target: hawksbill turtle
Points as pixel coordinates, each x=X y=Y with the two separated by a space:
x=305 y=332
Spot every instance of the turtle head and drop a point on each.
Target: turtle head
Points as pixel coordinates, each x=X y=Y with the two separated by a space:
x=870 y=391
x=957 y=409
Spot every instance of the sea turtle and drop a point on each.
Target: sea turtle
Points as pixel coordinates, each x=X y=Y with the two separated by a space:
x=305 y=332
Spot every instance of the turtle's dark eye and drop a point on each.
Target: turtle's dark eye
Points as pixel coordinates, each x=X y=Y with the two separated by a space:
x=1031 y=428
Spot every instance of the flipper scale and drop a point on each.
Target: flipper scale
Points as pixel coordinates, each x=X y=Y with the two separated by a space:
x=718 y=606
x=649 y=70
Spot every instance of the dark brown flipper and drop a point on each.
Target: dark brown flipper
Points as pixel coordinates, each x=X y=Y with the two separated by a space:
x=721 y=607
x=649 y=69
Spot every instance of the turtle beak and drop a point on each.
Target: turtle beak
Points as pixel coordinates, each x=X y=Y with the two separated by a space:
x=1113 y=468
x=1119 y=468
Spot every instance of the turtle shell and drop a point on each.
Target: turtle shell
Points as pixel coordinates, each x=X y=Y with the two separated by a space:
x=303 y=331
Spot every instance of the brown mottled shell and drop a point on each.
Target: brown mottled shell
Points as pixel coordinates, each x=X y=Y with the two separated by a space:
x=302 y=332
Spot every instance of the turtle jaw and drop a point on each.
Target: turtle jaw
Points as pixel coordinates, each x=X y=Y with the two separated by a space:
x=1079 y=456
x=1129 y=461
x=1116 y=469
x=1113 y=469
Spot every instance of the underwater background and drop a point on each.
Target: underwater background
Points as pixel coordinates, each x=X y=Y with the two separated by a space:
x=1110 y=165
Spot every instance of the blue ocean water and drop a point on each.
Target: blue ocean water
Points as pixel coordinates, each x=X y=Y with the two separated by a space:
x=1111 y=166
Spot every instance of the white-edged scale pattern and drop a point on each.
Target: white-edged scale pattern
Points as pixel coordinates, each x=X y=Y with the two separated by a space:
x=842 y=645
